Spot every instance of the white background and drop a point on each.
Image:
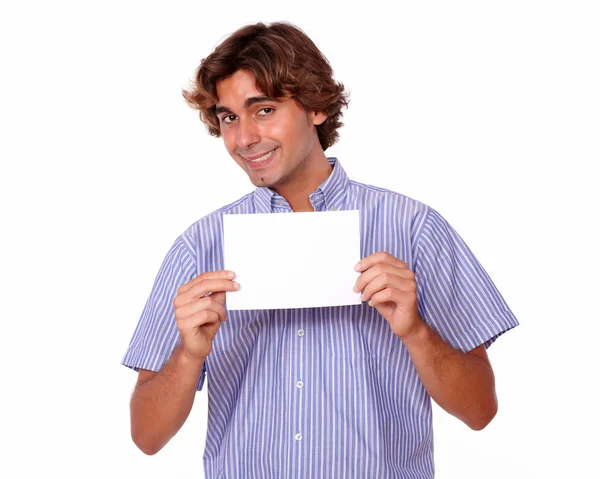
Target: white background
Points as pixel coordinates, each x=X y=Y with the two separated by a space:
x=487 y=111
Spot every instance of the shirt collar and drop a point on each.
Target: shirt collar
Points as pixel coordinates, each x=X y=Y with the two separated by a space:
x=334 y=191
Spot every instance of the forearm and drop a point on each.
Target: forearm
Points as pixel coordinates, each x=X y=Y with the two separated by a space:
x=160 y=406
x=462 y=384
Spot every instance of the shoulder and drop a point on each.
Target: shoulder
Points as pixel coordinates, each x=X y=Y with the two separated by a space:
x=375 y=194
x=408 y=211
x=208 y=228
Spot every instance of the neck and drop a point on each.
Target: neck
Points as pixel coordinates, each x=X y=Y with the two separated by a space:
x=297 y=195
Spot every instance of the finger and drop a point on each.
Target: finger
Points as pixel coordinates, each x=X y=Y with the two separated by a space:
x=221 y=274
x=202 y=288
x=208 y=303
x=201 y=319
x=388 y=295
x=379 y=257
x=370 y=274
x=389 y=281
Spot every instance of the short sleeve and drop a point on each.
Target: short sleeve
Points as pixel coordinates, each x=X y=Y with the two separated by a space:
x=456 y=297
x=156 y=334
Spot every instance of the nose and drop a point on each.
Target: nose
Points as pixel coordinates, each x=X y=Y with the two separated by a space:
x=247 y=134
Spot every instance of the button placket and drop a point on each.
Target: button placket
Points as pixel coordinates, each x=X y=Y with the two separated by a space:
x=299 y=384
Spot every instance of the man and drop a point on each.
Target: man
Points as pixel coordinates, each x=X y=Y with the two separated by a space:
x=335 y=392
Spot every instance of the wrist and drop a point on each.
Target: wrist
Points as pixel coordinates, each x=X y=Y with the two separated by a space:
x=418 y=334
x=187 y=360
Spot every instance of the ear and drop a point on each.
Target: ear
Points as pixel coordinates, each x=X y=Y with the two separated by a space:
x=318 y=118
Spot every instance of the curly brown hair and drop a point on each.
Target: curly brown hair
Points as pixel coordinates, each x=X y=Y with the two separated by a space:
x=285 y=63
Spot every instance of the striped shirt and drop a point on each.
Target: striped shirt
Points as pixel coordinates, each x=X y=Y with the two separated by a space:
x=325 y=392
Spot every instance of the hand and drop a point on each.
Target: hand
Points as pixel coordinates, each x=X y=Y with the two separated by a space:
x=391 y=288
x=198 y=316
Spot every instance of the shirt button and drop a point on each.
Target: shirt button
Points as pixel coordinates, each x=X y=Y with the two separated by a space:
x=299 y=384
x=298 y=437
x=300 y=332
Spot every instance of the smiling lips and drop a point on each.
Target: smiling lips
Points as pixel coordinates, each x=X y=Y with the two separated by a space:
x=256 y=161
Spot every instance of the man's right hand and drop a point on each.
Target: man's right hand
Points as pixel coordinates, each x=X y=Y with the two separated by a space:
x=199 y=316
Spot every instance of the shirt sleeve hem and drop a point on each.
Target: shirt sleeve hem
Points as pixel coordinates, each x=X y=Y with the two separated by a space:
x=489 y=332
x=135 y=361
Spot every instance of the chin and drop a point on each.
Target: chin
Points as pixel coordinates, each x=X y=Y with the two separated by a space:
x=257 y=181
x=269 y=179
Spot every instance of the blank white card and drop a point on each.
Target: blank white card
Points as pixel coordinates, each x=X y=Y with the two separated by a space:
x=292 y=260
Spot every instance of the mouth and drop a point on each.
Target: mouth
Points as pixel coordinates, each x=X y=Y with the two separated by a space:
x=260 y=160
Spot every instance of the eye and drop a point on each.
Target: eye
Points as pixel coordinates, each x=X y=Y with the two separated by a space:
x=267 y=110
x=227 y=119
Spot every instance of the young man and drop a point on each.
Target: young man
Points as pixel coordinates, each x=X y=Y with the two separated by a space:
x=335 y=392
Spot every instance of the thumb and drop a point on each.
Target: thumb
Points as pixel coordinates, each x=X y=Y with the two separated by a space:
x=219 y=297
x=213 y=328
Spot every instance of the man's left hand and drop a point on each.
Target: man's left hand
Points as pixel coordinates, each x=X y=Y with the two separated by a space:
x=389 y=286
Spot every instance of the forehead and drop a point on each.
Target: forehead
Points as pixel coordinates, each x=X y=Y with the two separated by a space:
x=234 y=90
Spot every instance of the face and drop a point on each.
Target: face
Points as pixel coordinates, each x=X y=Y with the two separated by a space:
x=275 y=142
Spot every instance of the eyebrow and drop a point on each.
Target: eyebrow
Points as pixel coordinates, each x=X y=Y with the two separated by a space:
x=247 y=104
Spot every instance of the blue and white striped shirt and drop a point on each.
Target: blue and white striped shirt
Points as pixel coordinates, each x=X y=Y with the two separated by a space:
x=325 y=392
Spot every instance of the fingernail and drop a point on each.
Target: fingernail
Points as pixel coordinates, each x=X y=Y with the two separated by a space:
x=355 y=289
x=236 y=285
x=357 y=267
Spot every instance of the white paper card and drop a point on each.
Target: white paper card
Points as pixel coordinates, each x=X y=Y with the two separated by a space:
x=292 y=260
